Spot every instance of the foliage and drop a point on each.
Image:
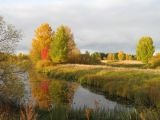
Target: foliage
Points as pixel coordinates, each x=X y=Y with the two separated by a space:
x=95 y=58
x=44 y=54
x=88 y=58
x=59 y=47
x=121 y=55
x=145 y=49
x=111 y=56
x=43 y=63
x=102 y=55
x=41 y=42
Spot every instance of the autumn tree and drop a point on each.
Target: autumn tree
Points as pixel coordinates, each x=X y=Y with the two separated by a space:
x=121 y=55
x=41 y=42
x=127 y=57
x=111 y=56
x=73 y=51
x=145 y=49
x=59 y=46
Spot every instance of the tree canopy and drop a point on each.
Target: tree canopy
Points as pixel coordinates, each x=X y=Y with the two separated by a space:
x=121 y=55
x=59 y=49
x=145 y=49
x=41 y=42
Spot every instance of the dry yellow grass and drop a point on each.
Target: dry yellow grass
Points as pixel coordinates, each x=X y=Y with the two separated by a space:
x=105 y=68
x=123 y=62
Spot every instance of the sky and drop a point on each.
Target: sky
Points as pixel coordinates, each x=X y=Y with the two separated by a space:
x=98 y=25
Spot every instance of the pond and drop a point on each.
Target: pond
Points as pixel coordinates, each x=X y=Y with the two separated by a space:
x=49 y=92
x=46 y=94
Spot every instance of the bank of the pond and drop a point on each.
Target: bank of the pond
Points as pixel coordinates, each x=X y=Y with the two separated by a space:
x=141 y=87
x=63 y=113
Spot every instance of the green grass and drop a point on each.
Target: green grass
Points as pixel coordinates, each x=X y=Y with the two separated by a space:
x=63 y=113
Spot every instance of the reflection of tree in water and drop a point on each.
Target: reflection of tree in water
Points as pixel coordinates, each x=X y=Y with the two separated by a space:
x=61 y=92
x=47 y=92
x=39 y=88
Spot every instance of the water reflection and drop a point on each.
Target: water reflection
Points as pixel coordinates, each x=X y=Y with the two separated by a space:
x=47 y=93
x=60 y=92
x=40 y=93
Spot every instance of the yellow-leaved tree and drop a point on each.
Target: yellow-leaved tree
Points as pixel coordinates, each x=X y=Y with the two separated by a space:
x=41 y=42
x=121 y=55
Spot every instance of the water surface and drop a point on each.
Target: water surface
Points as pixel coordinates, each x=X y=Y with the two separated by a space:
x=50 y=92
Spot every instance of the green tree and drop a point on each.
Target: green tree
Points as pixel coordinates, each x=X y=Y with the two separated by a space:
x=59 y=46
x=145 y=49
x=111 y=56
x=95 y=58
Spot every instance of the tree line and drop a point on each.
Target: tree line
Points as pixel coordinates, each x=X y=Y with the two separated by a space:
x=49 y=46
x=54 y=47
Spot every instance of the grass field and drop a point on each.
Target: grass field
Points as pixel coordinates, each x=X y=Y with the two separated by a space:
x=139 y=86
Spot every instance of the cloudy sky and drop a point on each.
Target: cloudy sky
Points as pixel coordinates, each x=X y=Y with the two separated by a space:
x=98 y=25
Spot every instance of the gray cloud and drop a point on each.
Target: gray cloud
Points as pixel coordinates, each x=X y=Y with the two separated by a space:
x=98 y=25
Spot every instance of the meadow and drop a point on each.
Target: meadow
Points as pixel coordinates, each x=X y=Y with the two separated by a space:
x=137 y=86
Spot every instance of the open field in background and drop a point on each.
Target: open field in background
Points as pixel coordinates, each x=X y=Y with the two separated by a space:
x=105 y=67
x=124 y=63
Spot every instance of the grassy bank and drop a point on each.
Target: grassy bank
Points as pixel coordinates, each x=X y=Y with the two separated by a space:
x=140 y=87
x=63 y=113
